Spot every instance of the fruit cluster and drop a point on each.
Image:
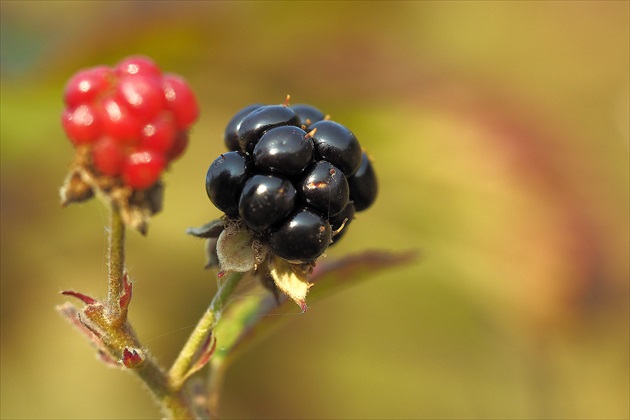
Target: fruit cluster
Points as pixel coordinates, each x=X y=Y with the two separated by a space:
x=133 y=118
x=293 y=176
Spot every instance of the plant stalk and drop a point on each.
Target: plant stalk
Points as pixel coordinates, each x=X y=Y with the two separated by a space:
x=121 y=335
x=206 y=324
x=116 y=263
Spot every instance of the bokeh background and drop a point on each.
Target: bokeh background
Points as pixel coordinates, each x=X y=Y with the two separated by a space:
x=499 y=132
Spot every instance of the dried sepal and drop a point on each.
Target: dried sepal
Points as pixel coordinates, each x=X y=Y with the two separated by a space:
x=78 y=187
x=75 y=190
x=235 y=252
x=210 y=230
x=212 y=258
x=269 y=283
x=238 y=249
x=136 y=207
x=291 y=279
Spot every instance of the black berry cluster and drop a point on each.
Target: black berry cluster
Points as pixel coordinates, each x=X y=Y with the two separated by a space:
x=293 y=176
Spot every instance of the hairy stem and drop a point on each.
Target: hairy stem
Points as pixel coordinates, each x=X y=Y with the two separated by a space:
x=204 y=327
x=116 y=263
x=120 y=334
x=174 y=403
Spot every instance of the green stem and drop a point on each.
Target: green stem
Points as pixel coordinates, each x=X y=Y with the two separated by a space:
x=206 y=324
x=120 y=334
x=116 y=262
x=174 y=403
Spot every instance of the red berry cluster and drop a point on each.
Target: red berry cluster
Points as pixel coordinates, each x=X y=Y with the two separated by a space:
x=133 y=117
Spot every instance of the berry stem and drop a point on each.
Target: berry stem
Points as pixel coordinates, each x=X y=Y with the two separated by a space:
x=116 y=265
x=119 y=333
x=205 y=326
x=174 y=403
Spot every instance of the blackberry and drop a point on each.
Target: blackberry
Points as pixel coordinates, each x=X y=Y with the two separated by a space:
x=285 y=150
x=307 y=114
x=304 y=236
x=231 y=130
x=341 y=220
x=260 y=120
x=265 y=200
x=363 y=185
x=336 y=144
x=225 y=179
x=292 y=177
x=325 y=188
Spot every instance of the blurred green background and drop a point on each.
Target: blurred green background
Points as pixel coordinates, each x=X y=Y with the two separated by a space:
x=500 y=137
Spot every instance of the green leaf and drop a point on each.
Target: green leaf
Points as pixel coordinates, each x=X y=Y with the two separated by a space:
x=249 y=319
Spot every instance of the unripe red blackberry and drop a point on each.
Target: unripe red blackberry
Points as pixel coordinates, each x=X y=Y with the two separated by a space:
x=82 y=124
x=143 y=168
x=180 y=100
x=133 y=118
x=86 y=85
x=108 y=156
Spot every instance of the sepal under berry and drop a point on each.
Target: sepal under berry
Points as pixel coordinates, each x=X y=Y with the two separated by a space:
x=291 y=279
x=75 y=190
x=136 y=206
x=238 y=250
x=210 y=230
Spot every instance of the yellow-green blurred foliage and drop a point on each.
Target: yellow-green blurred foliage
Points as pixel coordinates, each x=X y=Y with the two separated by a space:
x=499 y=131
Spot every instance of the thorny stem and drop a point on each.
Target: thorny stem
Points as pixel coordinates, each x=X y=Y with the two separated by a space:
x=205 y=325
x=174 y=403
x=121 y=333
x=116 y=263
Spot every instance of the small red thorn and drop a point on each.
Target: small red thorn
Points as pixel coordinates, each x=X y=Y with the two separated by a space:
x=220 y=274
x=131 y=358
x=125 y=298
x=86 y=299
